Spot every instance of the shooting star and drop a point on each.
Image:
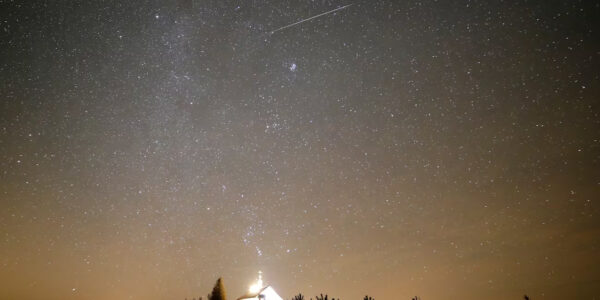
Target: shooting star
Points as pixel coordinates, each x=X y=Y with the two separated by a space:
x=313 y=17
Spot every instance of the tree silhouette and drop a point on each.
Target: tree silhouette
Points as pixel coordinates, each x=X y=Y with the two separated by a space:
x=367 y=297
x=218 y=292
x=323 y=297
x=299 y=297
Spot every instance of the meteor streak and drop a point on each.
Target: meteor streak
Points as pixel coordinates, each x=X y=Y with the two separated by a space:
x=313 y=17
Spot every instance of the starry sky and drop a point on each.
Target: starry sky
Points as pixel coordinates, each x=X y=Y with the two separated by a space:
x=446 y=149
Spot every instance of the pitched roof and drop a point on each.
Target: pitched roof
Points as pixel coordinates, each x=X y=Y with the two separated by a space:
x=253 y=295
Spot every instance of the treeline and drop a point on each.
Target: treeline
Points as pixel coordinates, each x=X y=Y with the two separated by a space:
x=218 y=293
x=321 y=297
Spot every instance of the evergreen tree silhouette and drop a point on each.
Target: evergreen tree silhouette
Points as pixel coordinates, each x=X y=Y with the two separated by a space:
x=218 y=292
x=323 y=297
x=299 y=297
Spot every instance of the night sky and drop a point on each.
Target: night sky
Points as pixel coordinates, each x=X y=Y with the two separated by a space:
x=445 y=149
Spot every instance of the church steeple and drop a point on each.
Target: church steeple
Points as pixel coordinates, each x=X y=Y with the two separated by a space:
x=258 y=285
x=260 y=281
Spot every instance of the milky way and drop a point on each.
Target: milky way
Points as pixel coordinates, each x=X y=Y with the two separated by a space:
x=446 y=149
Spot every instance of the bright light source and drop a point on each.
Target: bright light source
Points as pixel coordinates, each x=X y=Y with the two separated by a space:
x=255 y=288
x=258 y=285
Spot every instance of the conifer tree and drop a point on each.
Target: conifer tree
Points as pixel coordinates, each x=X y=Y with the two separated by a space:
x=299 y=297
x=324 y=297
x=218 y=292
x=321 y=298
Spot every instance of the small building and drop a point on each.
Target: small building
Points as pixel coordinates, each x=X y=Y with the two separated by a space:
x=259 y=292
x=266 y=293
